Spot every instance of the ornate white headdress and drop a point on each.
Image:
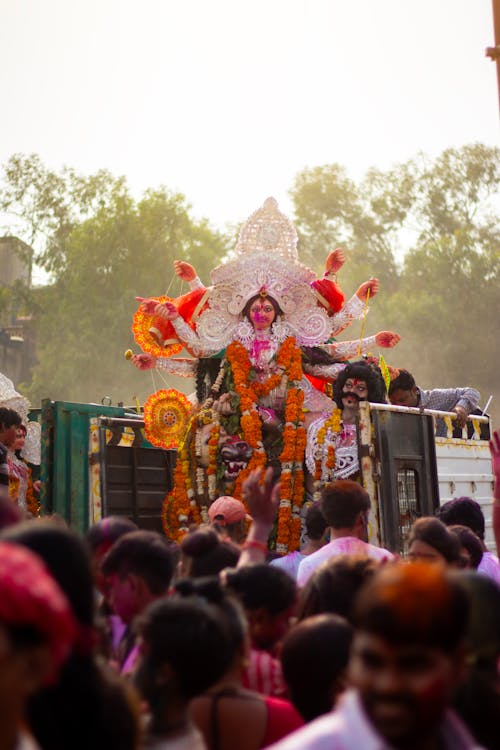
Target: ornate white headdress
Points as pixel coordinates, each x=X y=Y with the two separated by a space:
x=266 y=261
x=11 y=399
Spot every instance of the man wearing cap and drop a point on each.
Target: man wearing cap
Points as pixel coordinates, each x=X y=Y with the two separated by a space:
x=228 y=515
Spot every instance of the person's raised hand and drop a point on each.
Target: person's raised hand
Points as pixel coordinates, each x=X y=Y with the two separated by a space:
x=148 y=304
x=495 y=454
x=262 y=498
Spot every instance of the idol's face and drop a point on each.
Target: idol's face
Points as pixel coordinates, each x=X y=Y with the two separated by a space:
x=261 y=314
x=353 y=392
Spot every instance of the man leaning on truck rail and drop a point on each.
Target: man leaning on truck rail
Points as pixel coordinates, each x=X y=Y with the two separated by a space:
x=403 y=391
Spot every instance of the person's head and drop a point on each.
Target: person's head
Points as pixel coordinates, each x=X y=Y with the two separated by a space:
x=345 y=506
x=408 y=649
x=464 y=511
x=20 y=438
x=139 y=568
x=10 y=513
x=267 y=594
x=229 y=516
x=471 y=549
x=315 y=523
x=10 y=421
x=37 y=628
x=211 y=589
x=334 y=585
x=183 y=652
x=359 y=381
x=261 y=310
x=67 y=559
x=205 y=553
x=314 y=657
x=403 y=390
x=431 y=541
x=100 y=537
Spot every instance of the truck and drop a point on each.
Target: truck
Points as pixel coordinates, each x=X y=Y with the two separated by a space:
x=96 y=462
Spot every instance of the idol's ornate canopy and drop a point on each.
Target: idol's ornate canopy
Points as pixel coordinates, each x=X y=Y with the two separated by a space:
x=266 y=262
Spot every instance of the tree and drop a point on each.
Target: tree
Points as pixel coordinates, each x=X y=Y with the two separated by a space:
x=102 y=249
x=442 y=218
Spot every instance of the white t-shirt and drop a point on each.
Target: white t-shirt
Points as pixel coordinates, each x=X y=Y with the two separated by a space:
x=346 y=545
x=348 y=728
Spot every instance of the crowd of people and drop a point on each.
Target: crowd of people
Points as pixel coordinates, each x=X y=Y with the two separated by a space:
x=208 y=637
x=124 y=639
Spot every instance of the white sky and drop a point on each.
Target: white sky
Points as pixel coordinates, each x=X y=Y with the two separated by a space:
x=227 y=100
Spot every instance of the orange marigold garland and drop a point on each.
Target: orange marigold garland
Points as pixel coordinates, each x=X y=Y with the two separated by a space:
x=179 y=507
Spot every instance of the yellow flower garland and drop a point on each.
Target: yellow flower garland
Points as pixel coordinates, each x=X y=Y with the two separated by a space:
x=332 y=424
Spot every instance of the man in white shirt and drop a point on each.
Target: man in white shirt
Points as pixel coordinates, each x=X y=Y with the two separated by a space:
x=345 y=506
x=408 y=655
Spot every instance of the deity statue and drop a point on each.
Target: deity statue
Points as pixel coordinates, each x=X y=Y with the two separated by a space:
x=259 y=329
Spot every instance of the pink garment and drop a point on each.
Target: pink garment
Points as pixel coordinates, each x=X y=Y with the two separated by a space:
x=263 y=674
x=346 y=545
x=490 y=566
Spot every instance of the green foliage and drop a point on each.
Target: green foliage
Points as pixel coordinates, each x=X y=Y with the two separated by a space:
x=102 y=248
x=429 y=230
x=443 y=217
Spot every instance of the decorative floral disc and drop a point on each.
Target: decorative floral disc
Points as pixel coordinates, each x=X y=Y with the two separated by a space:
x=141 y=328
x=166 y=413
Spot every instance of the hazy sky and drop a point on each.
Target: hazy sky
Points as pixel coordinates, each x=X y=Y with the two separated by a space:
x=227 y=100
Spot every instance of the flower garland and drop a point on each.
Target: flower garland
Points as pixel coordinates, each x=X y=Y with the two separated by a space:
x=179 y=507
x=325 y=466
x=289 y=367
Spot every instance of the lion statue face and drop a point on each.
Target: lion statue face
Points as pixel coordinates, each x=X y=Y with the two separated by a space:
x=234 y=452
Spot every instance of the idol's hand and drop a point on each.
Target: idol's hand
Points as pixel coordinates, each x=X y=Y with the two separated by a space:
x=371 y=286
x=184 y=271
x=387 y=339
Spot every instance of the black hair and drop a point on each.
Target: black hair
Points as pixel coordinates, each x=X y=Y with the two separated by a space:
x=315 y=355
x=187 y=634
x=108 y=530
x=334 y=585
x=403 y=382
x=262 y=585
x=342 y=501
x=67 y=558
x=58 y=714
x=366 y=371
x=464 y=511
x=211 y=589
x=208 y=553
x=9 y=417
x=314 y=655
x=315 y=522
x=433 y=532
x=143 y=553
x=470 y=542
x=266 y=298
